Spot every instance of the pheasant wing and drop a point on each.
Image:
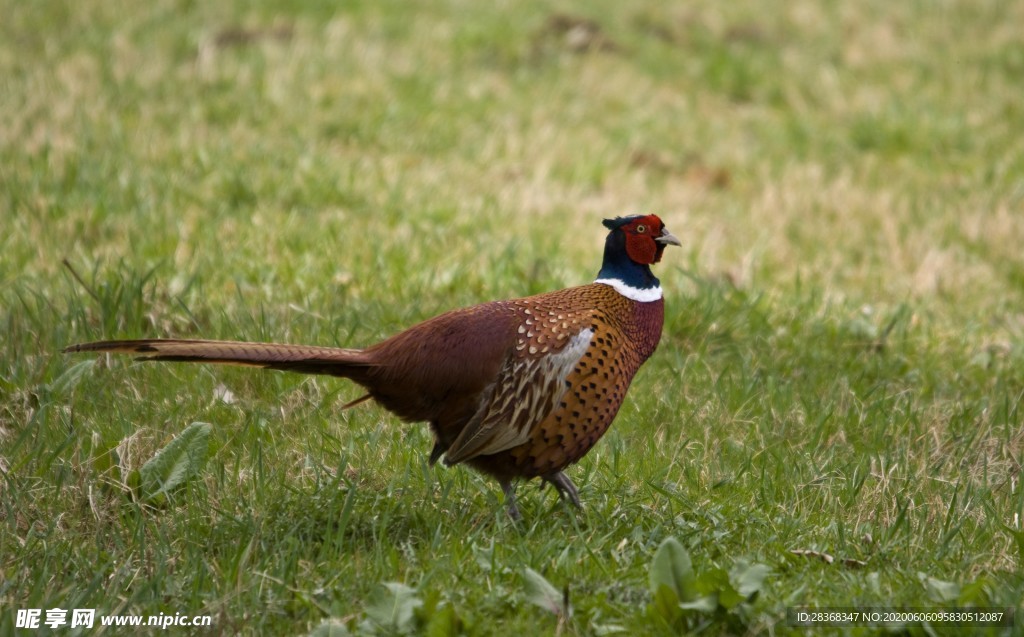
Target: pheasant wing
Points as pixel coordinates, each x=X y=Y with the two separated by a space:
x=526 y=390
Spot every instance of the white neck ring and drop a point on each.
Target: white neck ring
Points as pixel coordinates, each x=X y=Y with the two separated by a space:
x=641 y=295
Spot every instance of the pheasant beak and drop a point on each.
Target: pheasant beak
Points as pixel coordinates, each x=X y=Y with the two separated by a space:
x=667 y=238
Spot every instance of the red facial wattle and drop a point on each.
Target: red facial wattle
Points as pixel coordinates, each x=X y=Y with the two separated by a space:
x=640 y=240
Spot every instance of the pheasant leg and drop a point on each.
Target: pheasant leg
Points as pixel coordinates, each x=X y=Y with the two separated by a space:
x=510 y=500
x=566 y=489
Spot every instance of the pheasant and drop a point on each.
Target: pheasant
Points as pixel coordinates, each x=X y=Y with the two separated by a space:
x=515 y=389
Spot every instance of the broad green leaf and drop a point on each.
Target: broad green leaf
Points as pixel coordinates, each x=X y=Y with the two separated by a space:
x=330 y=628
x=665 y=604
x=392 y=605
x=748 y=578
x=443 y=622
x=484 y=556
x=975 y=593
x=715 y=584
x=175 y=464
x=435 y=617
x=705 y=604
x=541 y=592
x=939 y=590
x=672 y=568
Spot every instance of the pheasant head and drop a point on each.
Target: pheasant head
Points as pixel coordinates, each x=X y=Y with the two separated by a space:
x=633 y=244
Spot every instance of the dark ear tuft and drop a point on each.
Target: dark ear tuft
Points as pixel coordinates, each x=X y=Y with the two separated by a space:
x=618 y=222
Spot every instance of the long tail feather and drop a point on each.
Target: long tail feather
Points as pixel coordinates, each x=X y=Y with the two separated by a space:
x=308 y=359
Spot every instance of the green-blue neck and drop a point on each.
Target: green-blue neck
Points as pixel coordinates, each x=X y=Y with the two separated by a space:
x=629 y=278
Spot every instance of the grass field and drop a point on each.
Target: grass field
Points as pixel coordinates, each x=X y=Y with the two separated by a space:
x=841 y=371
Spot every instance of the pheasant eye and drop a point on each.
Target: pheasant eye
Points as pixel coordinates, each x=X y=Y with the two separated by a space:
x=641 y=228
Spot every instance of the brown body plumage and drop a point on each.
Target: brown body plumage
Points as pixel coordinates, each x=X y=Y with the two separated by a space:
x=516 y=389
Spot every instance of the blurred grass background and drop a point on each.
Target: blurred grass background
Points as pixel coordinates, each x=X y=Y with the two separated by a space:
x=843 y=359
